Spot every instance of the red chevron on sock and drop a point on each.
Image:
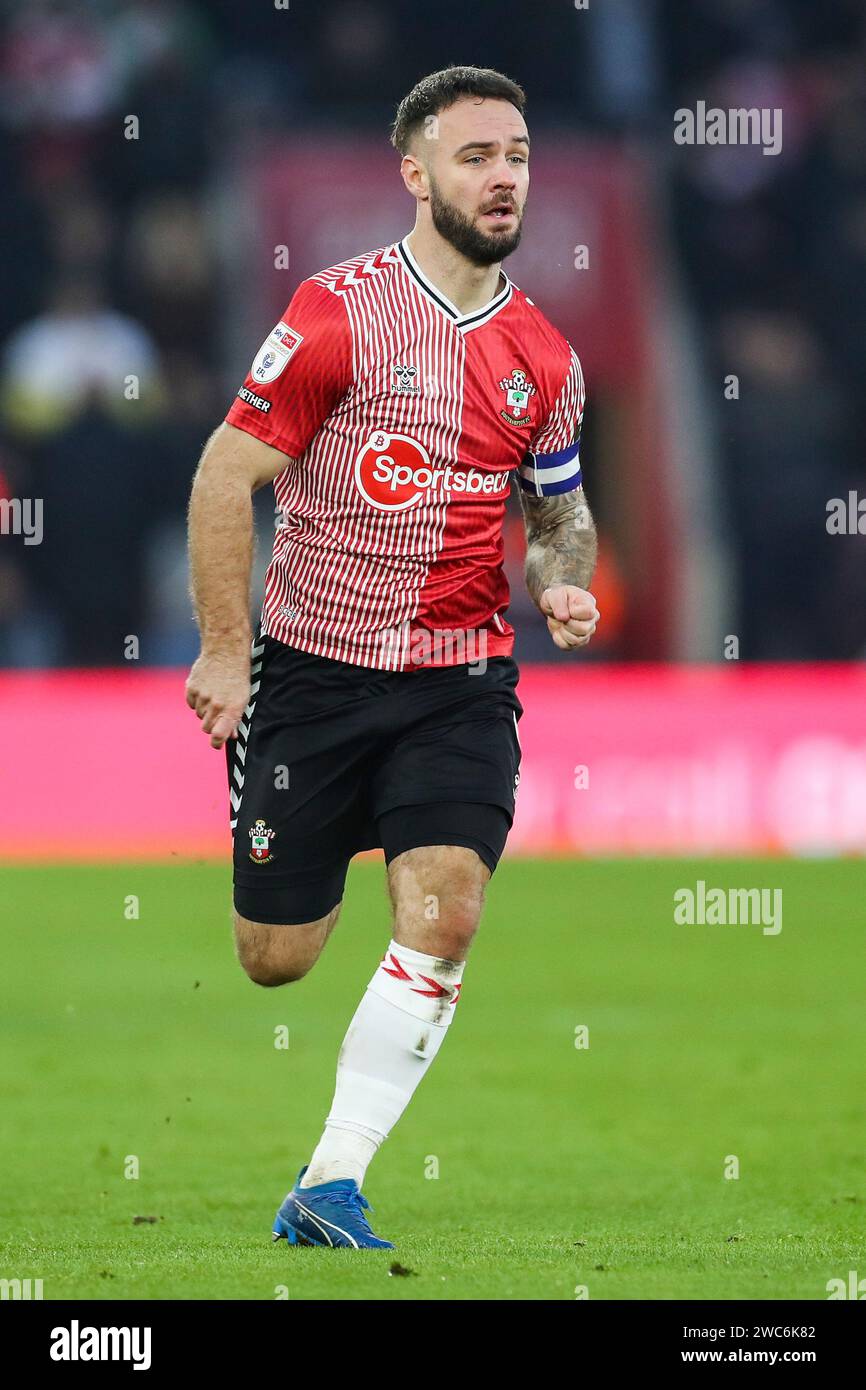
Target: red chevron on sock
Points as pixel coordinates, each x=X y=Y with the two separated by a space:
x=436 y=990
x=399 y=973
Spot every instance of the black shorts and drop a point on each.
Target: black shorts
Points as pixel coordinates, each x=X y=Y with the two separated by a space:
x=335 y=758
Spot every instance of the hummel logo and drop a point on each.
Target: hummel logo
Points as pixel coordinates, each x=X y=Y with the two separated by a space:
x=405 y=380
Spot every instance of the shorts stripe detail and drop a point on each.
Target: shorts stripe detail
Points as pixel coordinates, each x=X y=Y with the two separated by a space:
x=243 y=734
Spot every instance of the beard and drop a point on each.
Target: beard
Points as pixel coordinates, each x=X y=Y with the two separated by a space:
x=477 y=246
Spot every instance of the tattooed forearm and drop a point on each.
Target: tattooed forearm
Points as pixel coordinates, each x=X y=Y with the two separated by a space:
x=561 y=544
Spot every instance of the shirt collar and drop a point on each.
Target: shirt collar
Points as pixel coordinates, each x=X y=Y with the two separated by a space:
x=462 y=321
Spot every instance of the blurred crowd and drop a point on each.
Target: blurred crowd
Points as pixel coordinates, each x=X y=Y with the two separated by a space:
x=774 y=250
x=112 y=370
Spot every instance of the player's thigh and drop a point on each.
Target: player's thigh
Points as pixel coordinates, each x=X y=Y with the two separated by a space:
x=297 y=783
x=279 y=953
x=459 y=742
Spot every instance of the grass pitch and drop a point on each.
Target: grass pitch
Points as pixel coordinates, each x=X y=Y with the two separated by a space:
x=140 y=1041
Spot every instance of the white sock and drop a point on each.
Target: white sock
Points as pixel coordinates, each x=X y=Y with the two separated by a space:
x=398 y=1028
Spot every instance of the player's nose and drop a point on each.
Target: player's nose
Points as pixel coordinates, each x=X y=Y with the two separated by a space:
x=503 y=177
x=502 y=174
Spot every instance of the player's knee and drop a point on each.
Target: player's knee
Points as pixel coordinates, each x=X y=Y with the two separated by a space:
x=454 y=937
x=461 y=906
x=279 y=955
x=270 y=971
x=438 y=895
x=449 y=934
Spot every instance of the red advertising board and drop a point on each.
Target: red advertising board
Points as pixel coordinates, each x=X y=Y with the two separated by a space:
x=616 y=760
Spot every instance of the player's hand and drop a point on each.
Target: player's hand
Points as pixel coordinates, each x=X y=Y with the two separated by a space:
x=218 y=689
x=571 y=615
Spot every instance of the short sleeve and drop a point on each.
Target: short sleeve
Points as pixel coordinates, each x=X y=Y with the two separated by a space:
x=552 y=463
x=300 y=372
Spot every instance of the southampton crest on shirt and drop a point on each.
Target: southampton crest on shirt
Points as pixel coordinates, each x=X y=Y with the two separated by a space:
x=517 y=393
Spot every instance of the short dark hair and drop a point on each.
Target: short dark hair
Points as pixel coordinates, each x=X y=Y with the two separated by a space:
x=441 y=89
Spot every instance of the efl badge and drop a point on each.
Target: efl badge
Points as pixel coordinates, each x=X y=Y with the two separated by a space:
x=518 y=390
x=274 y=353
x=260 y=848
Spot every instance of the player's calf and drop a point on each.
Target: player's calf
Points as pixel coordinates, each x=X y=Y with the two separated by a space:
x=278 y=955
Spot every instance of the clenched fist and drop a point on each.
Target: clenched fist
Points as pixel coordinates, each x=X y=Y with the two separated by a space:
x=571 y=615
x=218 y=689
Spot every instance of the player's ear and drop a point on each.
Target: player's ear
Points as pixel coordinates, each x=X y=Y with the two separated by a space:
x=415 y=176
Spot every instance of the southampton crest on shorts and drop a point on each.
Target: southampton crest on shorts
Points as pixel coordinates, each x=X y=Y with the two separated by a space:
x=260 y=846
x=518 y=391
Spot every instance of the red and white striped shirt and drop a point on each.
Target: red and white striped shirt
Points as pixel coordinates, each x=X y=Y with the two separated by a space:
x=403 y=421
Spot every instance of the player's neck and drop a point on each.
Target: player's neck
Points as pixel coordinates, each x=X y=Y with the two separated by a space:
x=468 y=286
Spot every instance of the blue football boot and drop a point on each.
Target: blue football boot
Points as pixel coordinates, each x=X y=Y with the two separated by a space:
x=332 y=1213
